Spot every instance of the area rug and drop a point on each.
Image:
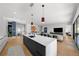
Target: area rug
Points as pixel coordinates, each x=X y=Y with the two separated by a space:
x=15 y=51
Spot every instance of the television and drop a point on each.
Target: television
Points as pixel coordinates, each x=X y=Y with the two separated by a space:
x=58 y=30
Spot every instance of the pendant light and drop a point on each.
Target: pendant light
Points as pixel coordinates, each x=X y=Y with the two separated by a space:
x=32 y=19
x=42 y=19
x=31 y=23
x=31 y=5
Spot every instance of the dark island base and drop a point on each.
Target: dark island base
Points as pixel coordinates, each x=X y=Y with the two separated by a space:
x=35 y=48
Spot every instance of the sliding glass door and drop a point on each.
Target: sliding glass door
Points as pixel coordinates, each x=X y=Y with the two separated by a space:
x=76 y=31
x=77 y=25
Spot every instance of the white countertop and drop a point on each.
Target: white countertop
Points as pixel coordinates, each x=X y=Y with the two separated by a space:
x=42 y=40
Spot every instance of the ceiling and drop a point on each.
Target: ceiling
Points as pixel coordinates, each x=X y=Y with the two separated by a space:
x=15 y=11
x=53 y=12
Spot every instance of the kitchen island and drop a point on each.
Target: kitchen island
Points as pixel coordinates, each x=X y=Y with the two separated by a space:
x=40 y=45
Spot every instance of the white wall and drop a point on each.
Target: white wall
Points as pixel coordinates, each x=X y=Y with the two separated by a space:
x=66 y=27
x=69 y=28
x=38 y=28
x=3 y=27
x=28 y=30
x=20 y=28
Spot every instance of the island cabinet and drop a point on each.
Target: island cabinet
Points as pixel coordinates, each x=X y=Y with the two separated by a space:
x=40 y=45
x=35 y=48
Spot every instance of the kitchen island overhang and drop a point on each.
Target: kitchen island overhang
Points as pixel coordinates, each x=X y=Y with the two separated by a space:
x=40 y=45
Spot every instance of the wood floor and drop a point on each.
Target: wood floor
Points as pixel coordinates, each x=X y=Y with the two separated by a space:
x=64 y=48
x=12 y=42
x=67 y=47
